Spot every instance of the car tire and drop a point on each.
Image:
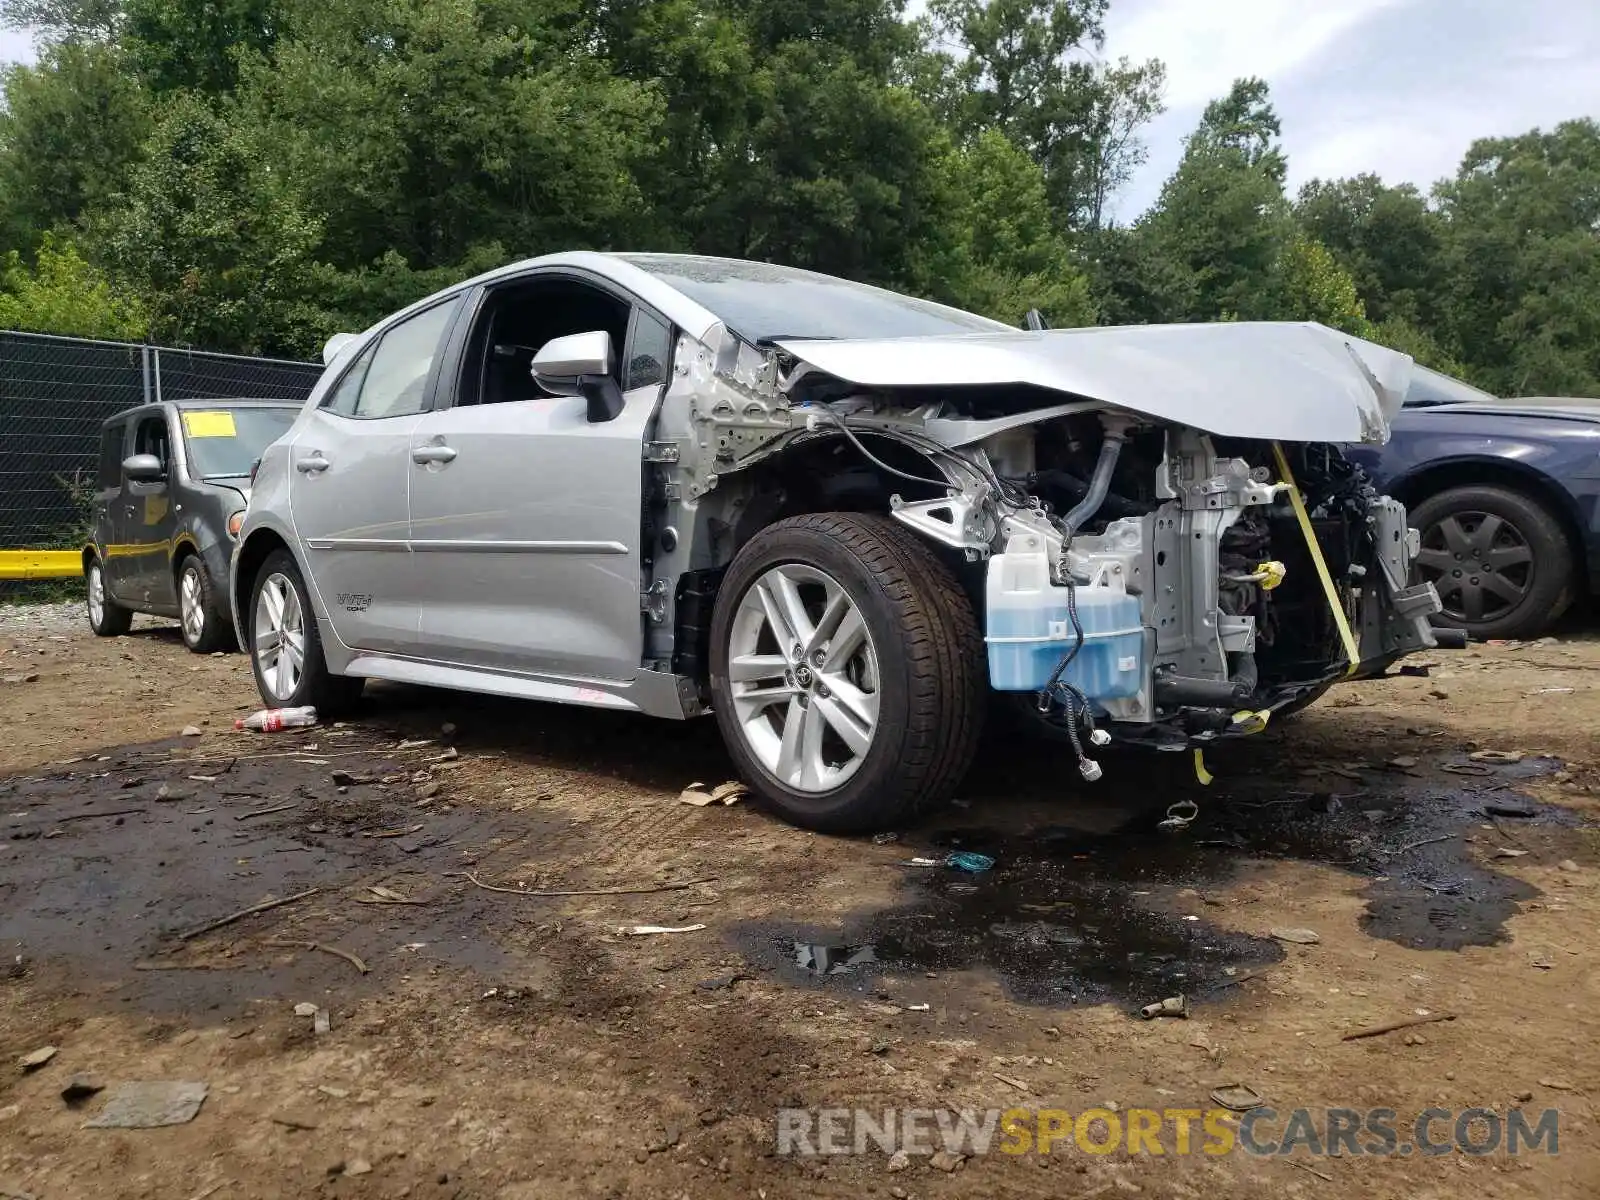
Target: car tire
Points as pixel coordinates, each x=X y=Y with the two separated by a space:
x=203 y=616
x=273 y=642
x=888 y=713
x=106 y=617
x=1501 y=561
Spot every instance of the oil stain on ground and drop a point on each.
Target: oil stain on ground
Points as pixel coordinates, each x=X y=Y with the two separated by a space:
x=1107 y=907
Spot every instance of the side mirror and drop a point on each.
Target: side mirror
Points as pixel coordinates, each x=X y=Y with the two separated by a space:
x=144 y=468
x=331 y=348
x=580 y=365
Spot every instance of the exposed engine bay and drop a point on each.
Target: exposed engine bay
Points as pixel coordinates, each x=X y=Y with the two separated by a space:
x=1204 y=534
x=1137 y=579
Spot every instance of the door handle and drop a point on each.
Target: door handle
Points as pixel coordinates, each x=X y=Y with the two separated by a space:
x=312 y=463
x=423 y=455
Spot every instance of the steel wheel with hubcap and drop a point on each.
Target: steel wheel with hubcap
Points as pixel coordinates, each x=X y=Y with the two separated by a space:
x=1499 y=560
x=285 y=648
x=106 y=617
x=846 y=671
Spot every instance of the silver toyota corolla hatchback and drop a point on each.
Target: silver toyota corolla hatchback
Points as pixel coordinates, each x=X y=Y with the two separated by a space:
x=848 y=522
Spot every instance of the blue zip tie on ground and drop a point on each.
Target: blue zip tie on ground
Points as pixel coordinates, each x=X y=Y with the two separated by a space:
x=965 y=860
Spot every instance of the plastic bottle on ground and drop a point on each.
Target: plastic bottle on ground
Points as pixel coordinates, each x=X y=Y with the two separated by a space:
x=270 y=719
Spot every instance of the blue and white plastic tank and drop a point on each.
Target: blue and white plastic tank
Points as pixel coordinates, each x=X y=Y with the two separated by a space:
x=1029 y=628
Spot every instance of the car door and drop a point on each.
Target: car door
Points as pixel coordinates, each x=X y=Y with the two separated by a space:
x=348 y=490
x=109 y=521
x=148 y=519
x=526 y=518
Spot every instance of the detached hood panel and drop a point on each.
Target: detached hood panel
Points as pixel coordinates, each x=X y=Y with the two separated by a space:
x=1272 y=380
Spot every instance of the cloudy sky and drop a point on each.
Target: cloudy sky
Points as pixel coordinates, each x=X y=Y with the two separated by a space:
x=14 y=46
x=1398 y=87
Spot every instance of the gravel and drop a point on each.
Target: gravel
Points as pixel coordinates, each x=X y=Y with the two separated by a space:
x=64 y=617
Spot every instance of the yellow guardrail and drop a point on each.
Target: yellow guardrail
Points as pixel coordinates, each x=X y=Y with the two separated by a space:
x=40 y=564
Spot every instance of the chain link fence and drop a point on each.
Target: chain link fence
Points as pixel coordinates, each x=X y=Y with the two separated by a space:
x=56 y=391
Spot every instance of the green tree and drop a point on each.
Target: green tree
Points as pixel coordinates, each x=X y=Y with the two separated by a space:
x=1314 y=287
x=1128 y=100
x=1402 y=335
x=831 y=171
x=1029 y=69
x=800 y=141
x=1215 y=242
x=1243 y=126
x=699 y=60
x=1386 y=237
x=1520 y=302
x=65 y=20
x=1003 y=254
x=1133 y=278
x=215 y=240
x=61 y=293
x=411 y=127
x=197 y=45
x=70 y=129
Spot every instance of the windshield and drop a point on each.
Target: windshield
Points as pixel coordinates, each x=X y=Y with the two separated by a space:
x=224 y=443
x=1429 y=388
x=762 y=302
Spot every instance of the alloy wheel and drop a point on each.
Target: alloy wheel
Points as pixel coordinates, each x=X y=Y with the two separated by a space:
x=191 y=600
x=97 y=596
x=1480 y=564
x=279 y=636
x=803 y=674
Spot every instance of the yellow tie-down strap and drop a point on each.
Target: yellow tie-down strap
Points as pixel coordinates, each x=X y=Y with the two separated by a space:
x=1351 y=649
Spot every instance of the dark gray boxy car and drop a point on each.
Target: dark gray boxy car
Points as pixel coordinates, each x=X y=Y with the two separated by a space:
x=171 y=487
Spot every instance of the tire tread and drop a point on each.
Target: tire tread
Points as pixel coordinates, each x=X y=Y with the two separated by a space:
x=942 y=647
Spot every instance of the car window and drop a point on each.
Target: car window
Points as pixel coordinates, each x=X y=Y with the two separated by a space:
x=763 y=301
x=1430 y=388
x=224 y=443
x=515 y=323
x=393 y=375
x=110 y=466
x=650 y=352
x=150 y=437
x=342 y=399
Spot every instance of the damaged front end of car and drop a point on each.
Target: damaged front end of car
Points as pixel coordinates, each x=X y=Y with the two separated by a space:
x=1164 y=540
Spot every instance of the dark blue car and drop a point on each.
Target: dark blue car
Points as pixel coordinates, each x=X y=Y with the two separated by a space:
x=1506 y=494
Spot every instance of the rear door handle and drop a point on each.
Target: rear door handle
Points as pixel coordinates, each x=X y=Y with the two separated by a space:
x=423 y=455
x=312 y=463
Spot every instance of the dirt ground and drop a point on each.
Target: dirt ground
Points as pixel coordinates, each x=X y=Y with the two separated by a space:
x=515 y=1046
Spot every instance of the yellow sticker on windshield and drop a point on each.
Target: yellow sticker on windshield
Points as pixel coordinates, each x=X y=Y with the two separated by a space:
x=209 y=424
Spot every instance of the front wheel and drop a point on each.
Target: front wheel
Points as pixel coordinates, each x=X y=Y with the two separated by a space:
x=285 y=648
x=846 y=671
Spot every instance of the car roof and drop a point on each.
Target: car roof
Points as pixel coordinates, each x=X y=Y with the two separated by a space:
x=186 y=405
x=189 y=405
x=680 y=309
